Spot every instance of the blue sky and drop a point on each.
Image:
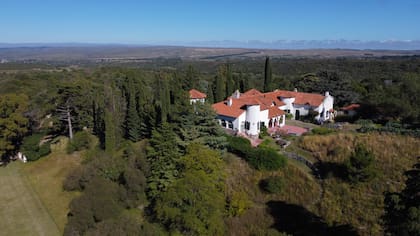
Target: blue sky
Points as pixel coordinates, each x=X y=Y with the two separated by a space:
x=103 y=21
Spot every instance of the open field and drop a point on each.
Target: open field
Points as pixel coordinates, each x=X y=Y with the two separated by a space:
x=31 y=194
x=132 y=53
x=22 y=211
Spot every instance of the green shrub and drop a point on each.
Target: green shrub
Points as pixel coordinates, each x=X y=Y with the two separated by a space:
x=322 y=131
x=264 y=158
x=239 y=146
x=273 y=184
x=360 y=165
x=261 y=158
x=32 y=150
x=263 y=132
x=81 y=140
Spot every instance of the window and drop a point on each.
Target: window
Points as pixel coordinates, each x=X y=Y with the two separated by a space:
x=230 y=125
x=223 y=123
x=247 y=125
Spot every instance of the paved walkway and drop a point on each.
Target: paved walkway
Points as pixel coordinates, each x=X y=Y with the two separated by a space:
x=288 y=129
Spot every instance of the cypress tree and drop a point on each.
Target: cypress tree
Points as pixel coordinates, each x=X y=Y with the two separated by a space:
x=267 y=75
x=110 y=132
x=230 y=83
x=133 y=119
x=220 y=91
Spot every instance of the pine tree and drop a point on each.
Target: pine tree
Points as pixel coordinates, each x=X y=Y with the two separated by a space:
x=163 y=155
x=133 y=120
x=267 y=75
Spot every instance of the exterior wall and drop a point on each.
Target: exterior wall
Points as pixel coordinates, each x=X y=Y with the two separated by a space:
x=194 y=100
x=288 y=105
x=303 y=109
x=239 y=121
x=225 y=120
x=253 y=117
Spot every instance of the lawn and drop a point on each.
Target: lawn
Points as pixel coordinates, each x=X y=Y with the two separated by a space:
x=22 y=212
x=32 y=198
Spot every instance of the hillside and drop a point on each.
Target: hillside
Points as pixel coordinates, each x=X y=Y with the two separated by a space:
x=331 y=204
x=36 y=201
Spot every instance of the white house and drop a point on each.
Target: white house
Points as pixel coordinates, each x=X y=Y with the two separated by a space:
x=248 y=112
x=197 y=96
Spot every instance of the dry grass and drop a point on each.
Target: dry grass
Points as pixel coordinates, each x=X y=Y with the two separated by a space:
x=46 y=177
x=300 y=188
x=361 y=205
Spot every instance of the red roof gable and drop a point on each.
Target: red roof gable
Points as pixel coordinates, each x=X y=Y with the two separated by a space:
x=350 y=107
x=231 y=111
x=274 y=112
x=312 y=99
x=195 y=94
x=268 y=101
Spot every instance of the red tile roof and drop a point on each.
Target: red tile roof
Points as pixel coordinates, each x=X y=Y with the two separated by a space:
x=350 y=107
x=312 y=99
x=270 y=101
x=231 y=111
x=251 y=92
x=274 y=112
x=195 y=94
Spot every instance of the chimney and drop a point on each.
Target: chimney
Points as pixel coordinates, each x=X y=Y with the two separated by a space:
x=327 y=94
x=229 y=103
x=295 y=90
x=236 y=94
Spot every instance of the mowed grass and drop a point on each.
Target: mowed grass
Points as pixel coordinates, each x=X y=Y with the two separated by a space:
x=22 y=212
x=32 y=198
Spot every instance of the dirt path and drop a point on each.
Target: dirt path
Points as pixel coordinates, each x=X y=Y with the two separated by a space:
x=21 y=210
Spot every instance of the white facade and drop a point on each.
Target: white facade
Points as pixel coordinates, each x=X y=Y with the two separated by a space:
x=194 y=100
x=248 y=112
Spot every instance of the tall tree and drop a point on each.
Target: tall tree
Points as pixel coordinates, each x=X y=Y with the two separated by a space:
x=133 y=122
x=220 y=84
x=194 y=204
x=163 y=155
x=197 y=124
x=13 y=123
x=267 y=75
x=402 y=210
x=230 y=82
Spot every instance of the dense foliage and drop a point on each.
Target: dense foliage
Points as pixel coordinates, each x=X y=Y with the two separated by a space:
x=261 y=158
x=403 y=209
x=158 y=166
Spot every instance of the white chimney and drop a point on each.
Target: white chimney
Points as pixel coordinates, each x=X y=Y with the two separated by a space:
x=236 y=94
x=327 y=94
x=230 y=101
x=295 y=90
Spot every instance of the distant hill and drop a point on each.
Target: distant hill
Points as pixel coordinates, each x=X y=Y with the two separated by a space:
x=115 y=52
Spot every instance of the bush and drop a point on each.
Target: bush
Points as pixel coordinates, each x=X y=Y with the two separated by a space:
x=263 y=132
x=239 y=146
x=264 y=158
x=81 y=140
x=32 y=150
x=273 y=184
x=261 y=158
x=360 y=165
x=322 y=131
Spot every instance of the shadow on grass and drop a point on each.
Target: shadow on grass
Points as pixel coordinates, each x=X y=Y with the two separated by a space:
x=297 y=220
x=331 y=169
